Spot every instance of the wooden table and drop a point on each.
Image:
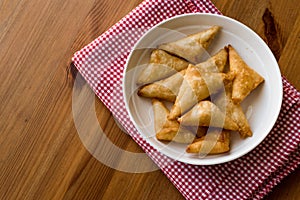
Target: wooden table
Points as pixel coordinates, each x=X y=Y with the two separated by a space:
x=41 y=155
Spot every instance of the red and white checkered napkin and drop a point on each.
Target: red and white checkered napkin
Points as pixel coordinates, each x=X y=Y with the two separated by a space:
x=102 y=62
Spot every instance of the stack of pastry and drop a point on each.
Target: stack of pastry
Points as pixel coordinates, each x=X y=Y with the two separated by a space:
x=205 y=96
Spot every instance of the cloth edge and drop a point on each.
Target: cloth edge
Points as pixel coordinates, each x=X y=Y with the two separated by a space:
x=287 y=168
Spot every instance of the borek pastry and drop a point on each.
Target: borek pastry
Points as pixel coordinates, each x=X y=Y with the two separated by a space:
x=166 y=89
x=192 y=47
x=205 y=113
x=246 y=79
x=215 y=142
x=169 y=130
x=161 y=65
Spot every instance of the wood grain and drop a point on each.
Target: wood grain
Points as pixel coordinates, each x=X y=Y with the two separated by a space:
x=42 y=156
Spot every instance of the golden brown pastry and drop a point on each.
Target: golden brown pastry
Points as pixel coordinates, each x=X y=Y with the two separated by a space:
x=246 y=79
x=234 y=111
x=216 y=63
x=169 y=130
x=166 y=89
x=195 y=87
x=161 y=65
x=192 y=47
x=214 y=142
x=205 y=113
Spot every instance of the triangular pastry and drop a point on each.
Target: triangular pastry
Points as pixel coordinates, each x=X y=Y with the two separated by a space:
x=234 y=111
x=161 y=65
x=216 y=63
x=169 y=130
x=205 y=113
x=195 y=87
x=246 y=79
x=166 y=89
x=215 y=142
x=192 y=47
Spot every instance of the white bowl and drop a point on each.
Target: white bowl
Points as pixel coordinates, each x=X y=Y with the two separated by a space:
x=262 y=106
